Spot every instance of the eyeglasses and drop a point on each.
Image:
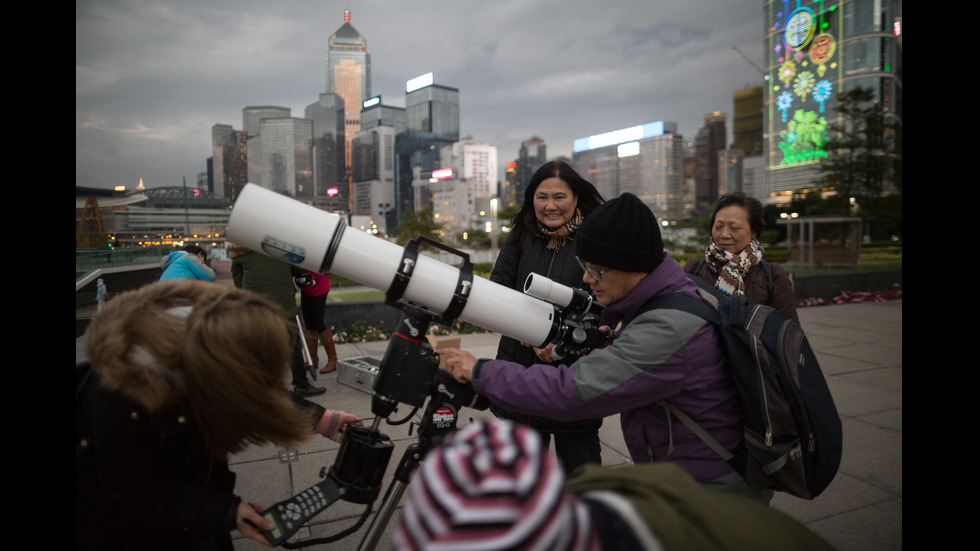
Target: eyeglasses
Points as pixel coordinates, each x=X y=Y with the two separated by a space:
x=593 y=273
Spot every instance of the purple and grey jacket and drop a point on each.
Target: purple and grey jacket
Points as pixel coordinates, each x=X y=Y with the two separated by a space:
x=659 y=355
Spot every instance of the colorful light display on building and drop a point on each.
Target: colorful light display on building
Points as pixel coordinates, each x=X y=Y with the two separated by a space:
x=804 y=77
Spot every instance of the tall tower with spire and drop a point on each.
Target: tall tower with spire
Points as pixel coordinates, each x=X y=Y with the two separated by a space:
x=348 y=75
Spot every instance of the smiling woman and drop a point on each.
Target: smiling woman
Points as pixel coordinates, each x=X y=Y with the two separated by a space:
x=542 y=241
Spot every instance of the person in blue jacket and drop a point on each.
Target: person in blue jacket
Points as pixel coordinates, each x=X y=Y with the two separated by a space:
x=651 y=356
x=188 y=263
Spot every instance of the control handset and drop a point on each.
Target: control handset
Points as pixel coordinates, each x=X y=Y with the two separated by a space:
x=290 y=515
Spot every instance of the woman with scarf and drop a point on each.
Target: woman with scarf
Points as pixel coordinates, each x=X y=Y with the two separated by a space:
x=541 y=241
x=733 y=259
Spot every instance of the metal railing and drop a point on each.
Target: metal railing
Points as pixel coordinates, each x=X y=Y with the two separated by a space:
x=87 y=259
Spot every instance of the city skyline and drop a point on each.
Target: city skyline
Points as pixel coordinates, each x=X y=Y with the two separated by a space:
x=152 y=78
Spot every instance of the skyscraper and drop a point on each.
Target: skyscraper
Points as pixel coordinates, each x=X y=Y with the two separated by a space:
x=645 y=160
x=375 y=113
x=229 y=164
x=329 y=153
x=252 y=116
x=475 y=163
x=709 y=141
x=747 y=120
x=418 y=155
x=373 y=175
x=533 y=154
x=348 y=74
x=279 y=156
x=815 y=49
x=433 y=108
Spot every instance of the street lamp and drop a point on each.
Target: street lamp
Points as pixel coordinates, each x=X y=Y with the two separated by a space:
x=493 y=230
x=383 y=210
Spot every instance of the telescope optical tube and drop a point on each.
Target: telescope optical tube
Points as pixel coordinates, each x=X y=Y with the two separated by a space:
x=283 y=228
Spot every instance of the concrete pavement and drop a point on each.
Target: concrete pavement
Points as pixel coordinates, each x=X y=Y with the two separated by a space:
x=860 y=350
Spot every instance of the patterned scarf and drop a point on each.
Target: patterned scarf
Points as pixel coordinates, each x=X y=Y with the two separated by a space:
x=558 y=238
x=731 y=268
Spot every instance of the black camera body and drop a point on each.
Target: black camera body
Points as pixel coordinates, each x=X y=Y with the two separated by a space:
x=304 y=280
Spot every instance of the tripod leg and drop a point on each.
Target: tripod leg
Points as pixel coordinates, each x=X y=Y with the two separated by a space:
x=307 y=358
x=403 y=475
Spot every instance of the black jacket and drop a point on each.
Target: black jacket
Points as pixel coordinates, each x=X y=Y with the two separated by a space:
x=145 y=481
x=515 y=262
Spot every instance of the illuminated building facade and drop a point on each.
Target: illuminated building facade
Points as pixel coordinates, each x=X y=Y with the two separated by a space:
x=509 y=194
x=646 y=160
x=348 y=74
x=815 y=50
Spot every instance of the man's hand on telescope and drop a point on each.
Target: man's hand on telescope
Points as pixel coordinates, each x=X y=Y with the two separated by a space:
x=459 y=363
x=544 y=354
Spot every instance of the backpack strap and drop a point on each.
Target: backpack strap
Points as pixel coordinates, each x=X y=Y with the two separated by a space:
x=707 y=309
x=767 y=275
x=697 y=430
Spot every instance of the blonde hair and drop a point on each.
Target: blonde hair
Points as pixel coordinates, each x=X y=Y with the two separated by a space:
x=221 y=350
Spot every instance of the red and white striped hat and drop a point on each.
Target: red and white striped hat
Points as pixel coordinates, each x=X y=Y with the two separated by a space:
x=491 y=486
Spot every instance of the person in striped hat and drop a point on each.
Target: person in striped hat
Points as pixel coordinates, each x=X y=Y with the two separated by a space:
x=492 y=486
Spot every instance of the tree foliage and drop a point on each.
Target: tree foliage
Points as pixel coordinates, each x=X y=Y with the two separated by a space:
x=416 y=223
x=508 y=212
x=864 y=156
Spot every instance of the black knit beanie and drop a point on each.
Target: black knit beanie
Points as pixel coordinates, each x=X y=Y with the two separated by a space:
x=621 y=234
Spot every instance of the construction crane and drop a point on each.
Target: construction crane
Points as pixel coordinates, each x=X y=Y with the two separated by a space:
x=752 y=63
x=87 y=236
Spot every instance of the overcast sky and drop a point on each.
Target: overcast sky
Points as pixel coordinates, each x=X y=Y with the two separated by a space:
x=153 y=77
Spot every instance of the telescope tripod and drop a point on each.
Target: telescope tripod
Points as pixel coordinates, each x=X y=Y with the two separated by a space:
x=446 y=396
x=410 y=374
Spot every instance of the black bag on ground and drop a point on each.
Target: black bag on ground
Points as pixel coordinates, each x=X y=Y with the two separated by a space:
x=793 y=432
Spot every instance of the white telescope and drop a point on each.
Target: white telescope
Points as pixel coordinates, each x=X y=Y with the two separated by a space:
x=299 y=234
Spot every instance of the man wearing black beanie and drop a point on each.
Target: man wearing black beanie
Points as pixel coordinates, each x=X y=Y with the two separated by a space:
x=651 y=357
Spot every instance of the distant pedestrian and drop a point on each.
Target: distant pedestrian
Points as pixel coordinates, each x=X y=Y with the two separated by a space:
x=314 y=288
x=273 y=279
x=101 y=294
x=189 y=263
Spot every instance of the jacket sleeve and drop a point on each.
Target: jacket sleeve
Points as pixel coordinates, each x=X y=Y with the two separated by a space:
x=783 y=295
x=236 y=272
x=314 y=409
x=637 y=369
x=199 y=268
x=505 y=268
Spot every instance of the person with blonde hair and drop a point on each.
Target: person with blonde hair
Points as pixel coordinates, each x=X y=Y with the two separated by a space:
x=182 y=374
